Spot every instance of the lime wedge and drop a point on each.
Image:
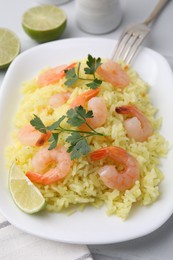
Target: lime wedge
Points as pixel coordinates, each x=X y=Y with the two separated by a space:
x=26 y=196
x=44 y=23
x=9 y=47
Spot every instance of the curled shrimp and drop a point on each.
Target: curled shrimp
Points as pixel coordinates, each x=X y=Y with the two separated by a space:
x=59 y=99
x=112 y=178
x=53 y=75
x=138 y=126
x=43 y=159
x=28 y=135
x=112 y=72
x=99 y=109
x=96 y=104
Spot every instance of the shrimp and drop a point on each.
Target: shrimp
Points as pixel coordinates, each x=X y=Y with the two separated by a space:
x=59 y=99
x=138 y=126
x=28 y=135
x=99 y=109
x=96 y=104
x=43 y=159
x=112 y=72
x=120 y=180
x=53 y=75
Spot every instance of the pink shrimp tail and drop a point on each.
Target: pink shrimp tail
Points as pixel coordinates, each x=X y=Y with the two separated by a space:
x=44 y=138
x=129 y=110
x=34 y=176
x=111 y=151
x=86 y=96
x=99 y=154
x=124 y=110
x=45 y=179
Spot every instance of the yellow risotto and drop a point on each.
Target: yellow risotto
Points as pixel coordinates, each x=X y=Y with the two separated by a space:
x=83 y=186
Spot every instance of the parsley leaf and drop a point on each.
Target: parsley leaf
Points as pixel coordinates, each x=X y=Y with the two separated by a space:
x=94 y=84
x=38 y=124
x=71 y=77
x=93 y=64
x=53 y=140
x=73 y=118
x=56 y=124
x=73 y=138
x=77 y=116
x=79 y=145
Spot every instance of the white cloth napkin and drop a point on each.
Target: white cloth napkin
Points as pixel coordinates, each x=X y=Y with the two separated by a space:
x=18 y=245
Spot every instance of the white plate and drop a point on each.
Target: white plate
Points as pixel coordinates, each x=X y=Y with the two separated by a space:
x=92 y=226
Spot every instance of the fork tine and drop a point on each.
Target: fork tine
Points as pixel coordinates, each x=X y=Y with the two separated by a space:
x=132 y=39
x=134 y=48
x=120 y=45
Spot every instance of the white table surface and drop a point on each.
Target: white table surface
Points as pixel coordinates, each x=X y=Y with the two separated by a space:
x=157 y=245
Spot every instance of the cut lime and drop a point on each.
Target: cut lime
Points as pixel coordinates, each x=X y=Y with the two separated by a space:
x=44 y=23
x=26 y=196
x=9 y=47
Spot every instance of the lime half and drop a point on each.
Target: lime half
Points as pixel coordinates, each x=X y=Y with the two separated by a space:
x=26 y=196
x=9 y=47
x=44 y=23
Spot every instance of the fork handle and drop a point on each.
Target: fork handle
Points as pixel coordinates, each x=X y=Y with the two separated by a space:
x=156 y=11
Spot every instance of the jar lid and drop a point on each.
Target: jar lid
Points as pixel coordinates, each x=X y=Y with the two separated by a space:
x=97 y=5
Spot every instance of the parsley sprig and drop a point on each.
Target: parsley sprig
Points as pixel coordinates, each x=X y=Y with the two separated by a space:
x=92 y=65
x=77 y=139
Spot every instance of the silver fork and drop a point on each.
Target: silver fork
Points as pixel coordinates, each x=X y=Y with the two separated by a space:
x=133 y=36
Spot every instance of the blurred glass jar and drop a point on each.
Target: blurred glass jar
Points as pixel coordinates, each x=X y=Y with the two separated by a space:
x=98 y=16
x=53 y=2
